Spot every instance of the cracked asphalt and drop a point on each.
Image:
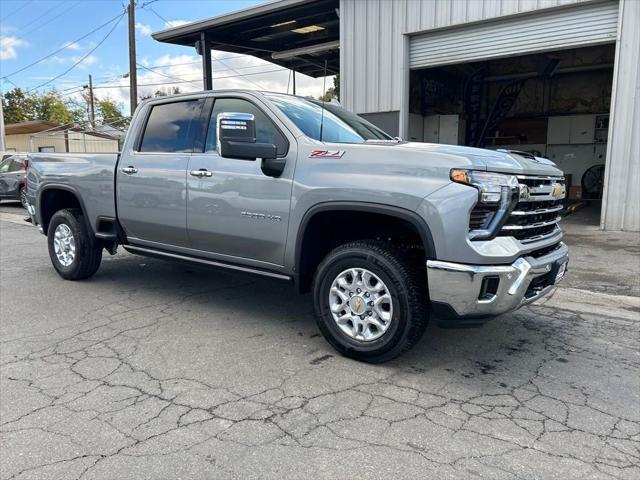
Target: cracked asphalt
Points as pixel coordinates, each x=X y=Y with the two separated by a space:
x=158 y=370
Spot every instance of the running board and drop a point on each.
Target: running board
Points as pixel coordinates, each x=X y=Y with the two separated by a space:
x=202 y=261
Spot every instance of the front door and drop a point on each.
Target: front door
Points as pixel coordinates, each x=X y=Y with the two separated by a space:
x=11 y=175
x=151 y=179
x=234 y=210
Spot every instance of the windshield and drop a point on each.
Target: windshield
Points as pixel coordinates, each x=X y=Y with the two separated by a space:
x=338 y=126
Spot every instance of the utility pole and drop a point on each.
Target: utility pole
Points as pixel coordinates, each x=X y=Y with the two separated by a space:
x=92 y=108
x=133 y=76
x=2 y=144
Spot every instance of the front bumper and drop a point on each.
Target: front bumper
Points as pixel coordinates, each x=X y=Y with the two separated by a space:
x=478 y=291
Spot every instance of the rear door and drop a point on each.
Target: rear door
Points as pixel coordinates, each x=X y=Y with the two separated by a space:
x=151 y=178
x=237 y=212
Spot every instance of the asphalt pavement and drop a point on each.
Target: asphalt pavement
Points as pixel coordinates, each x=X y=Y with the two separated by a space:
x=157 y=370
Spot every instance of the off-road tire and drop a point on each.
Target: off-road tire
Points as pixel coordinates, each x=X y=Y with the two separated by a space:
x=88 y=252
x=406 y=283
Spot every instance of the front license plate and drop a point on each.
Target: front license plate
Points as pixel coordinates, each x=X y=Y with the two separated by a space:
x=562 y=269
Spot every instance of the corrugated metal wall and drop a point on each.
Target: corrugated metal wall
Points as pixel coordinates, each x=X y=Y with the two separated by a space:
x=588 y=24
x=371 y=48
x=621 y=205
x=78 y=142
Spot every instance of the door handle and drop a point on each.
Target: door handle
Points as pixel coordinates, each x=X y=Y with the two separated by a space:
x=203 y=172
x=129 y=170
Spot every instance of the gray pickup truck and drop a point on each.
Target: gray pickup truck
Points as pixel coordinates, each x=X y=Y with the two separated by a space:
x=385 y=234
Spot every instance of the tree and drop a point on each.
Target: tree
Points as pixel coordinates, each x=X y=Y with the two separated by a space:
x=17 y=106
x=332 y=92
x=20 y=106
x=111 y=113
x=164 y=92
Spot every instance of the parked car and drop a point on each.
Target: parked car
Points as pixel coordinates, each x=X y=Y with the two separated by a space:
x=385 y=233
x=13 y=170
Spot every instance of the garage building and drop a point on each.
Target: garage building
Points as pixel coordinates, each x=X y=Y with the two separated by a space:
x=557 y=78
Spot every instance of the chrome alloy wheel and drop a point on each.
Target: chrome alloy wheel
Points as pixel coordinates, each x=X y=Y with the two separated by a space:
x=361 y=304
x=64 y=244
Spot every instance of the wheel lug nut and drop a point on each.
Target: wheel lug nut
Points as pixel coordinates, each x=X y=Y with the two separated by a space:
x=358 y=290
x=370 y=313
x=366 y=294
x=361 y=317
x=371 y=304
x=351 y=294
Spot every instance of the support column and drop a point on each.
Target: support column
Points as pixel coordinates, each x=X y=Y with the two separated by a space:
x=621 y=195
x=207 y=71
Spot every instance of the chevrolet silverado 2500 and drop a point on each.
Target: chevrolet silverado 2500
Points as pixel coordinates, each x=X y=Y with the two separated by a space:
x=385 y=233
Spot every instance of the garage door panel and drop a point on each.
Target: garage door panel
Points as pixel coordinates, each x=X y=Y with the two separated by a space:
x=582 y=25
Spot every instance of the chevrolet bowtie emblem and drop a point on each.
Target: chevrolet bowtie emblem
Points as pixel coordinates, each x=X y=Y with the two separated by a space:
x=358 y=303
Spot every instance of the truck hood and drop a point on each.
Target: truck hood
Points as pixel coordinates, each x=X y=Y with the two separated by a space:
x=484 y=159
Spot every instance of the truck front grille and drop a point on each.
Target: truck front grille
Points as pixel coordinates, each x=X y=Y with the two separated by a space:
x=536 y=217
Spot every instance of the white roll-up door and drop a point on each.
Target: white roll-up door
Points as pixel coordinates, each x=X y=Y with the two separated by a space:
x=581 y=25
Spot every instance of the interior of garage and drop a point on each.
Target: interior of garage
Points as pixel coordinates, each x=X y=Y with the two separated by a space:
x=553 y=104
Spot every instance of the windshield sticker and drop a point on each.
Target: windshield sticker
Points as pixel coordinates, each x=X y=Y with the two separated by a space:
x=326 y=154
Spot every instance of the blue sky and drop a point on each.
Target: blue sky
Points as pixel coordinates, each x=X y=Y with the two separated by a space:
x=32 y=29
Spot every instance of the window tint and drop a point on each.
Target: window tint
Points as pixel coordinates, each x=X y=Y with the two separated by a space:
x=4 y=166
x=170 y=127
x=266 y=131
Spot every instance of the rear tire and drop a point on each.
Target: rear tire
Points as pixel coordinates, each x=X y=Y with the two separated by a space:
x=394 y=292
x=73 y=249
x=23 y=198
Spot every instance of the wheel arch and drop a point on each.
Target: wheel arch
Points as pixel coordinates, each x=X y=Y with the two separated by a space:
x=55 y=197
x=302 y=276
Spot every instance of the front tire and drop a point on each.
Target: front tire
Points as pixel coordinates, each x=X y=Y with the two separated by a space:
x=370 y=300
x=73 y=249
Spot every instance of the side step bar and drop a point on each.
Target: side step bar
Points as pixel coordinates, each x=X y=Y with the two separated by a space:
x=211 y=263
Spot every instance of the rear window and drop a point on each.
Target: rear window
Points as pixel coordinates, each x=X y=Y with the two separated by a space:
x=171 y=126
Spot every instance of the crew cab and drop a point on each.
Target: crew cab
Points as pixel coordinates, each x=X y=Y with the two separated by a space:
x=386 y=234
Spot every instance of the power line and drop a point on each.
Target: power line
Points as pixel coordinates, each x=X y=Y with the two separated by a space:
x=190 y=81
x=82 y=59
x=73 y=5
x=45 y=13
x=168 y=76
x=17 y=10
x=117 y=17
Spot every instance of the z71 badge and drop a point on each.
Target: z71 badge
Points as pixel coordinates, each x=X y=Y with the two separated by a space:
x=326 y=154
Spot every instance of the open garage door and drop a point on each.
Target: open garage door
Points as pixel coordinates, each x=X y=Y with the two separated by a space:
x=544 y=31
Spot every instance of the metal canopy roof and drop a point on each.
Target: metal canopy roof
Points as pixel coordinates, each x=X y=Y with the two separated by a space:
x=296 y=34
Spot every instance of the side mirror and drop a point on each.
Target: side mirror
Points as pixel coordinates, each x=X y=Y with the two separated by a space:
x=237 y=138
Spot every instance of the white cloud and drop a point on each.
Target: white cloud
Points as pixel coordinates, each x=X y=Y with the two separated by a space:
x=72 y=46
x=89 y=60
x=9 y=45
x=178 y=68
x=175 y=23
x=144 y=29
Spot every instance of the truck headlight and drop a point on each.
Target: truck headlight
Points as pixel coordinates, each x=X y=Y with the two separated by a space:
x=498 y=194
x=493 y=188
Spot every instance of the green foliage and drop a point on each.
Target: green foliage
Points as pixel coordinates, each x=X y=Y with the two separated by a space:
x=332 y=92
x=20 y=106
x=110 y=112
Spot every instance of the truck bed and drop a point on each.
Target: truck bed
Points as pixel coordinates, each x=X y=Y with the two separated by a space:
x=90 y=176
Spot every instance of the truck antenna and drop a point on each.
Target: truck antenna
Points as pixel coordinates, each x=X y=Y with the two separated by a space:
x=324 y=85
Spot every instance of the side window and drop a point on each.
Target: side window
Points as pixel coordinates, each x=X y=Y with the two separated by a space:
x=266 y=131
x=4 y=166
x=15 y=165
x=170 y=127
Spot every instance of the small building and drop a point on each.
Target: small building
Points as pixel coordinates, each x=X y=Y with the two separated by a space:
x=45 y=136
x=558 y=78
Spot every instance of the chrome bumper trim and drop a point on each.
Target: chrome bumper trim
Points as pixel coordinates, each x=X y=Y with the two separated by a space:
x=459 y=285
